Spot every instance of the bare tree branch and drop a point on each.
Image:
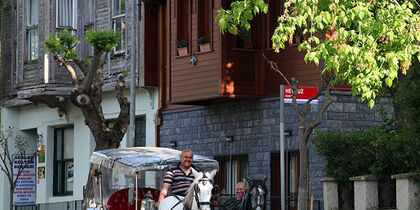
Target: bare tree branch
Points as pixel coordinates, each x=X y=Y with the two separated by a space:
x=81 y=66
x=273 y=65
x=68 y=67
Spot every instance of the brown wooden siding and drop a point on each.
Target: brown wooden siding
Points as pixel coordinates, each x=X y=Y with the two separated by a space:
x=188 y=82
x=291 y=64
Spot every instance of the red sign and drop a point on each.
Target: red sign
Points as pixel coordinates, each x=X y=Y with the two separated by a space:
x=304 y=93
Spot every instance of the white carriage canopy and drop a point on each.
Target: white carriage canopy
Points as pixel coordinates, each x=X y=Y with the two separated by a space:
x=131 y=160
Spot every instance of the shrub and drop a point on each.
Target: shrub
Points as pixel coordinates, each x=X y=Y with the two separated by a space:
x=380 y=151
x=203 y=40
x=182 y=43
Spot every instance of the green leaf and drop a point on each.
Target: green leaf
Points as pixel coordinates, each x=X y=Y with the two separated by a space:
x=371 y=103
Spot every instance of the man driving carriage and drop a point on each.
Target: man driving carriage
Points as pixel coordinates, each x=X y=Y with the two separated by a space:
x=179 y=178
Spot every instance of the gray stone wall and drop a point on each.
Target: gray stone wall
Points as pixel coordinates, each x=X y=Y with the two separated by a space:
x=255 y=127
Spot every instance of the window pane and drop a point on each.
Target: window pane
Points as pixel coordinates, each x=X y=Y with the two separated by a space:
x=31 y=12
x=65 y=14
x=89 y=11
x=119 y=7
x=69 y=176
x=32 y=43
x=68 y=143
x=119 y=25
x=140 y=134
x=58 y=144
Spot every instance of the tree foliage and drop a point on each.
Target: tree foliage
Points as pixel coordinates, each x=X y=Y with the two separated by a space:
x=372 y=40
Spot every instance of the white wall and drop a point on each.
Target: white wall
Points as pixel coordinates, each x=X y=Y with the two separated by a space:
x=45 y=119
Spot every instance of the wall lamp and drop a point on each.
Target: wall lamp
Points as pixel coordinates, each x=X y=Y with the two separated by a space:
x=172 y=144
x=287 y=132
x=229 y=138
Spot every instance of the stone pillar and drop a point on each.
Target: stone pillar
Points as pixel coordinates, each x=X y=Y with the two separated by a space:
x=407 y=191
x=330 y=191
x=365 y=192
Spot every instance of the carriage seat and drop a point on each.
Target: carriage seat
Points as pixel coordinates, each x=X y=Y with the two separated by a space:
x=119 y=199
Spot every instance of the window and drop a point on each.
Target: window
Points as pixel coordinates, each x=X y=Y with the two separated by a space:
x=140 y=133
x=246 y=39
x=233 y=169
x=63 y=161
x=292 y=180
x=31 y=29
x=89 y=20
x=66 y=15
x=204 y=14
x=275 y=10
x=182 y=20
x=118 y=23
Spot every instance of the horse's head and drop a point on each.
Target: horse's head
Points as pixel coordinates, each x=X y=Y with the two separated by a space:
x=257 y=193
x=200 y=192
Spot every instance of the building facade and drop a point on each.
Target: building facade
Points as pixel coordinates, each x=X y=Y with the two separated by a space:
x=224 y=102
x=35 y=88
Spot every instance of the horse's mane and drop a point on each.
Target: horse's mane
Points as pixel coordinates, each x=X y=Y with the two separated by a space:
x=188 y=200
x=258 y=182
x=254 y=183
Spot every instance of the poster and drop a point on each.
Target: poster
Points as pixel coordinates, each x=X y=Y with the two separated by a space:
x=41 y=154
x=25 y=186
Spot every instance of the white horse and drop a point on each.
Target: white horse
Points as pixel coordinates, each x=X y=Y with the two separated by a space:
x=198 y=197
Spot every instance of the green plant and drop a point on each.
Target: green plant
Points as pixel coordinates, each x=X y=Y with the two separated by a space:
x=182 y=43
x=203 y=40
x=245 y=35
x=383 y=151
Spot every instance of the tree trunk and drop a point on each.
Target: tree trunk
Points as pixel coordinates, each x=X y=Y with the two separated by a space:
x=303 y=193
x=12 y=190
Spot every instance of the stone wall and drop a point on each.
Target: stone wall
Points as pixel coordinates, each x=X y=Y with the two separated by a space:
x=254 y=124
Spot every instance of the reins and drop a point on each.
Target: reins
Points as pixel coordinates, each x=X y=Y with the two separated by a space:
x=196 y=191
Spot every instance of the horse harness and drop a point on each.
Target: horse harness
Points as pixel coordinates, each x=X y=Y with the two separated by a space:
x=261 y=204
x=196 y=190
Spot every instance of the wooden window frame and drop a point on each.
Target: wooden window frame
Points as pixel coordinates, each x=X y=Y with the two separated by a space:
x=119 y=17
x=72 y=26
x=275 y=182
x=88 y=24
x=205 y=20
x=185 y=14
x=32 y=33
x=221 y=180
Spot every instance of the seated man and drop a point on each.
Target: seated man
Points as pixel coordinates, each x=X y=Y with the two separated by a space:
x=234 y=203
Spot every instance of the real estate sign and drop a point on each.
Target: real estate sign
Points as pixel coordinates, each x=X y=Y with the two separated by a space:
x=304 y=94
x=25 y=185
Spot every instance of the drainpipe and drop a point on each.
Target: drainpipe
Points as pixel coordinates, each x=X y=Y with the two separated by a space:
x=158 y=119
x=133 y=56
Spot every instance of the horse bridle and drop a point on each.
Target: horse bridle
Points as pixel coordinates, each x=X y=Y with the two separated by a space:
x=258 y=193
x=196 y=190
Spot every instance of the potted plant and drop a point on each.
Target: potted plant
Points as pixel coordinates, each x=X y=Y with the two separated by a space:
x=182 y=47
x=204 y=44
x=244 y=39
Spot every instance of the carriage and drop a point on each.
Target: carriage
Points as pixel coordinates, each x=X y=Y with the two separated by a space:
x=130 y=178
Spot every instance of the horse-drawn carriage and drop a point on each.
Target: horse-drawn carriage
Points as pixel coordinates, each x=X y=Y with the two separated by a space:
x=123 y=178
x=130 y=178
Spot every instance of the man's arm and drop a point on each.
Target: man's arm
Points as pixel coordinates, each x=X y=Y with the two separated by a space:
x=163 y=192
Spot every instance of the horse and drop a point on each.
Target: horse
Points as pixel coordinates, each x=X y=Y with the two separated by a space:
x=255 y=198
x=198 y=196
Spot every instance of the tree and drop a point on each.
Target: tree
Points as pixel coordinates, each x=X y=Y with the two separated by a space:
x=369 y=42
x=7 y=159
x=88 y=82
x=87 y=86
